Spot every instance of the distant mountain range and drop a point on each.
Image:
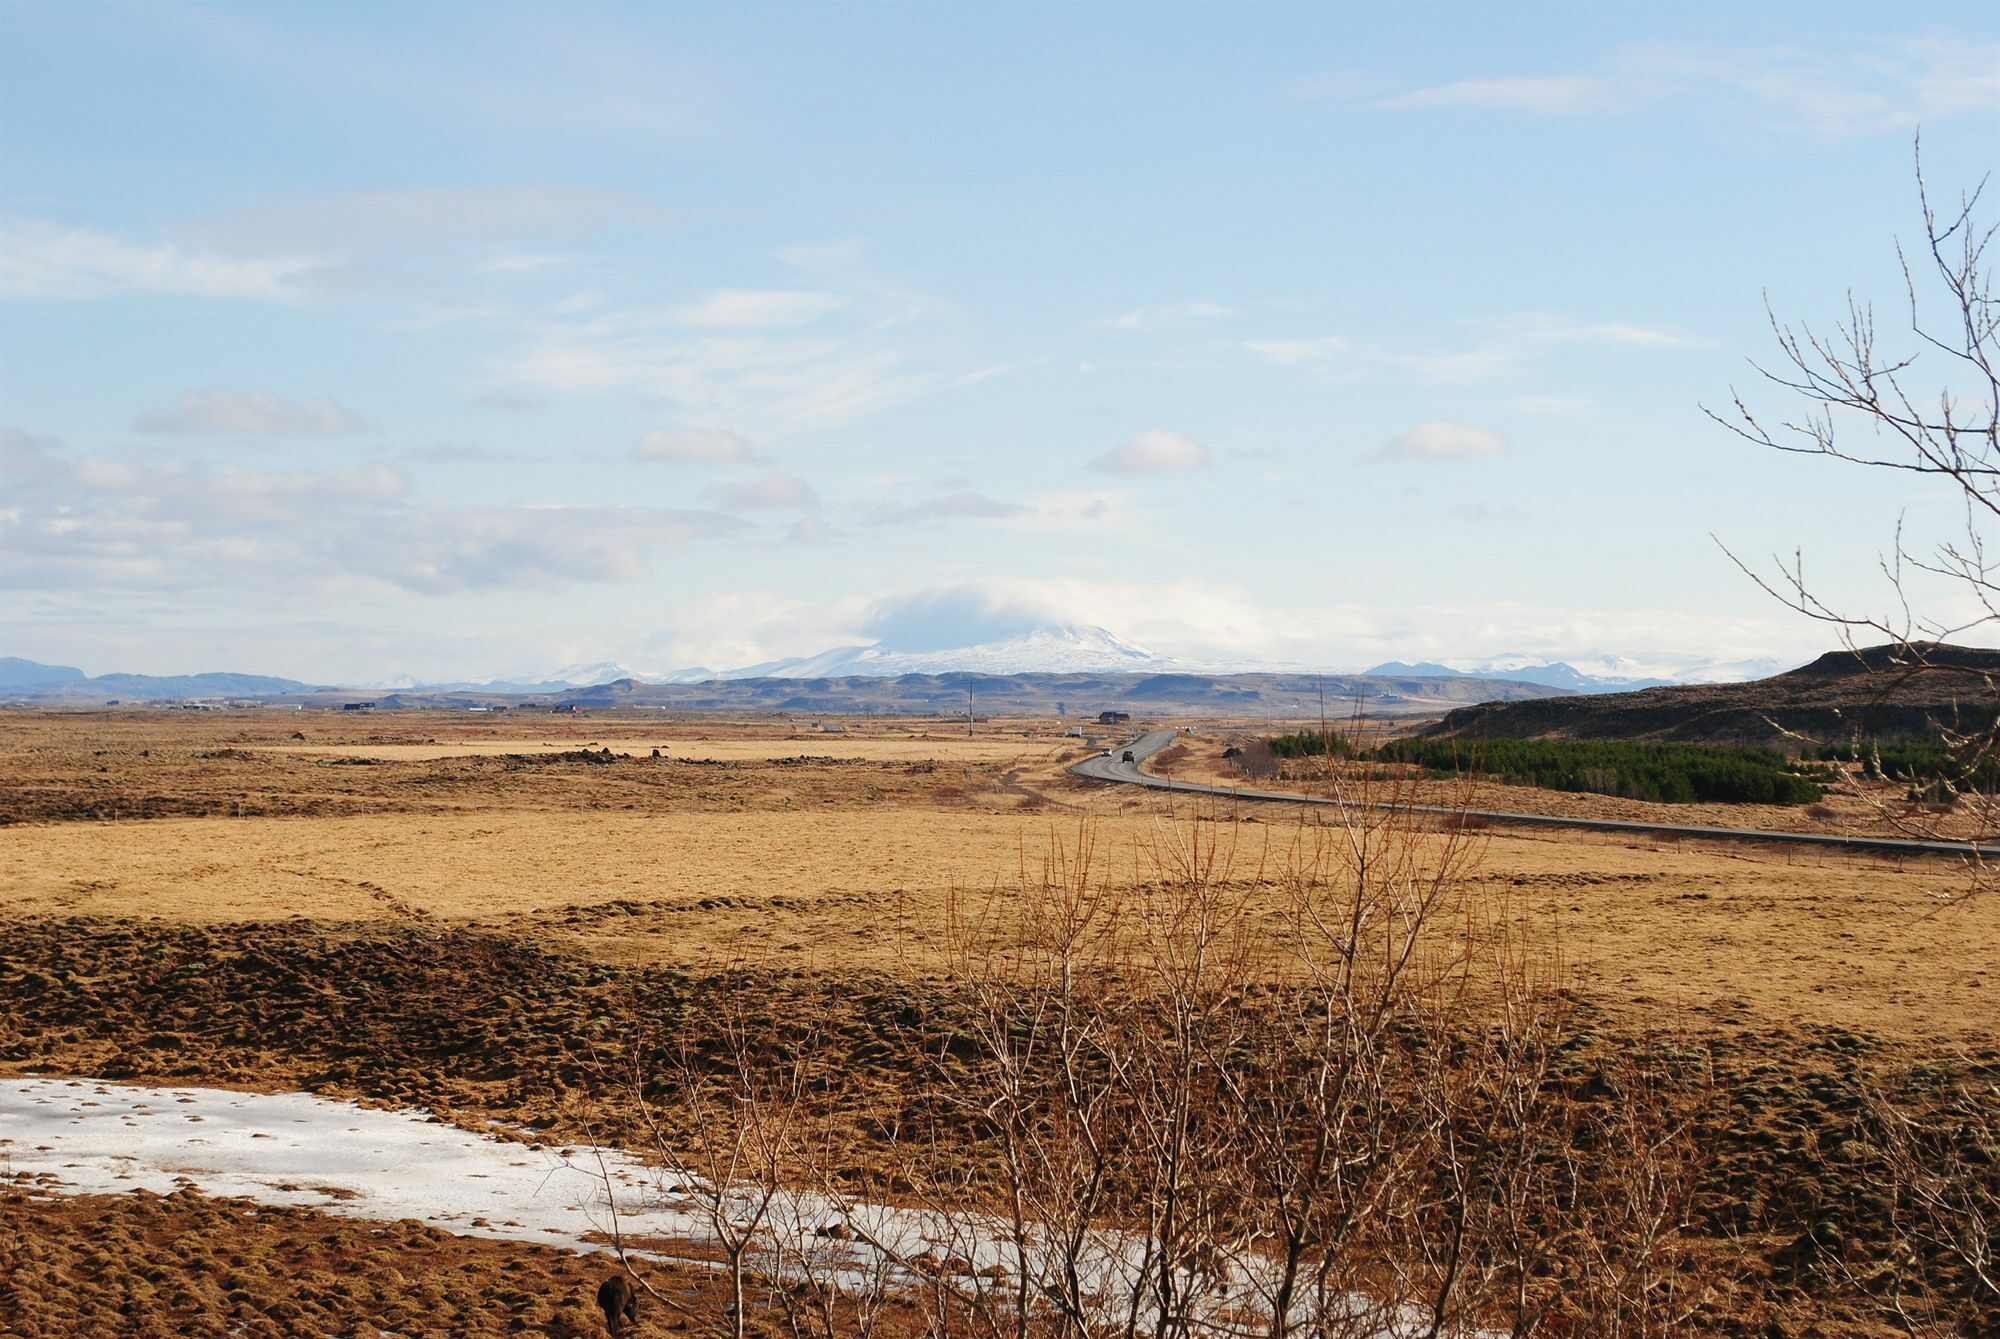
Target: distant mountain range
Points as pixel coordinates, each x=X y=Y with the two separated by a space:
x=1599 y=674
x=28 y=678
x=1053 y=649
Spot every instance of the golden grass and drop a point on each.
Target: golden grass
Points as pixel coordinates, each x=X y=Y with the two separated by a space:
x=852 y=866
x=1733 y=935
x=1013 y=748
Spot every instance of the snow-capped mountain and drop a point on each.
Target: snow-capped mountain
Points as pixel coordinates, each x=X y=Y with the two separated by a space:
x=555 y=681
x=604 y=671
x=1590 y=674
x=1051 y=649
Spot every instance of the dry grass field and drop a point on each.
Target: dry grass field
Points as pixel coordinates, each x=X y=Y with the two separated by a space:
x=133 y=845
x=746 y=843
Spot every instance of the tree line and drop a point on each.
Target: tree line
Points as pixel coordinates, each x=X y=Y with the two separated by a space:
x=1663 y=773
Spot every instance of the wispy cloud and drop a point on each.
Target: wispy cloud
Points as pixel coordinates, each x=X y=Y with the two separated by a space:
x=694 y=446
x=525 y=262
x=843 y=253
x=114 y=524
x=964 y=505
x=1552 y=95
x=809 y=532
x=759 y=374
x=1889 y=85
x=1509 y=344
x=774 y=492
x=48 y=262
x=493 y=228
x=1168 y=316
x=249 y=413
x=757 y=309
x=508 y=403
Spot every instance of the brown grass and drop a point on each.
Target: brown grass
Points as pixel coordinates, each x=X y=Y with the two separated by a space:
x=851 y=865
x=585 y=888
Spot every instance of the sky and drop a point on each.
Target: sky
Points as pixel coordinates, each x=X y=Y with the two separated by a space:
x=350 y=341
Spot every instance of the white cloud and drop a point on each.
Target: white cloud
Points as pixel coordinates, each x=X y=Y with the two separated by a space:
x=230 y=413
x=525 y=262
x=1443 y=440
x=757 y=309
x=425 y=217
x=438 y=314
x=1225 y=623
x=1508 y=344
x=767 y=383
x=695 y=446
x=842 y=254
x=1551 y=404
x=732 y=629
x=46 y=262
x=109 y=525
x=1301 y=352
x=809 y=532
x=1547 y=95
x=1892 y=85
x=507 y=402
x=774 y=492
x=1166 y=316
x=1154 y=451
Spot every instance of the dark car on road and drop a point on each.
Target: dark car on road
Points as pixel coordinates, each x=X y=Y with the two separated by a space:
x=1129 y=757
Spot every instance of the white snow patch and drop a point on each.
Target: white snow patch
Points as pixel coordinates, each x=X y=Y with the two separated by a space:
x=82 y=1136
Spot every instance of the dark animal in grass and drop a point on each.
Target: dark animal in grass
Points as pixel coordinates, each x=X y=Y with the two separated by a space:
x=620 y=1302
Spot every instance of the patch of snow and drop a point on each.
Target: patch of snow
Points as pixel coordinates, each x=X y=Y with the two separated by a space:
x=79 y=1136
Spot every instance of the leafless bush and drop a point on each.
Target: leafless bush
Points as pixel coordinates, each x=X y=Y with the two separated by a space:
x=1302 y=1087
x=738 y=1125
x=1941 y=1169
x=1256 y=759
x=1860 y=409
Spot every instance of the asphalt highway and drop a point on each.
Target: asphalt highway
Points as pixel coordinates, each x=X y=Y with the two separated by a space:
x=1115 y=769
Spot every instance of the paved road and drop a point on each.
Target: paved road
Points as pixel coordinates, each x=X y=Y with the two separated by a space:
x=1115 y=768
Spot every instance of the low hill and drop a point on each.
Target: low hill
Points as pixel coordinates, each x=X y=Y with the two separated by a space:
x=31 y=681
x=1869 y=693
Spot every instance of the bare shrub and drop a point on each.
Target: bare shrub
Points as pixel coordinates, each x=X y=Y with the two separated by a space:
x=1860 y=409
x=1256 y=759
x=1940 y=1166
x=1305 y=1086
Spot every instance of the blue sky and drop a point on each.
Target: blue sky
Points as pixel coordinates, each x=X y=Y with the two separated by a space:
x=345 y=341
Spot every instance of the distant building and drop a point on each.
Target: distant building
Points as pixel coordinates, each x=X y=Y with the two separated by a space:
x=1113 y=717
x=357 y=706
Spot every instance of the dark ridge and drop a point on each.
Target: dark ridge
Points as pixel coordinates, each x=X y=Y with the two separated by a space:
x=1879 y=692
